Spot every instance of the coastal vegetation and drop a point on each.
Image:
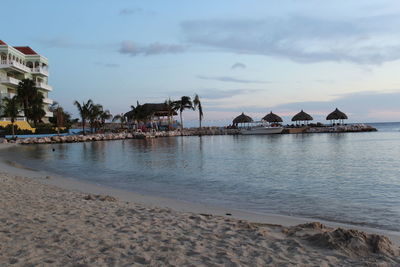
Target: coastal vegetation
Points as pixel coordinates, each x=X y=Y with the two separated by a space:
x=84 y=110
x=121 y=118
x=31 y=101
x=184 y=103
x=197 y=105
x=61 y=119
x=170 y=111
x=11 y=110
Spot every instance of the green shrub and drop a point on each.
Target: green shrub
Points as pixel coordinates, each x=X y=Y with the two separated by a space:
x=47 y=128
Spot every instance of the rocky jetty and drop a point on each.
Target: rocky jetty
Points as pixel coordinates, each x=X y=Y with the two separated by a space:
x=341 y=129
x=119 y=136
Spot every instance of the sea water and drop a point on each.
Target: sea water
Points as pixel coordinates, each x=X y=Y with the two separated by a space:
x=343 y=177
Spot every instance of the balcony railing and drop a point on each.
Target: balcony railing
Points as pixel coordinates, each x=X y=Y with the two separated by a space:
x=16 y=119
x=40 y=70
x=48 y=101
x=49 y=114
x=14 y=65
x=44 y=86
x=10 y=81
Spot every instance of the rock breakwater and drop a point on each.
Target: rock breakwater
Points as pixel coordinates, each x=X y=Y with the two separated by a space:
x=118 y=136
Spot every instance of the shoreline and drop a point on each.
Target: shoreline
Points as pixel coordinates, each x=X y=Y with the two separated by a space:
x=76 y=185
x=49 y=220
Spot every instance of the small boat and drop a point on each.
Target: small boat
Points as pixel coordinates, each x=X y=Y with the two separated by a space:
x=260 y=129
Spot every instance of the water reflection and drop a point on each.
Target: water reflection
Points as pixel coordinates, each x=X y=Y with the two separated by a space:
x=337 y=176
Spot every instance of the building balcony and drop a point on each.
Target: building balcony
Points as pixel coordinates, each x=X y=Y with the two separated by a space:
x=49 y=114
x=40 y=71
x=47 y=101
x=44 y=86
x=14 y=65
x=10 y=81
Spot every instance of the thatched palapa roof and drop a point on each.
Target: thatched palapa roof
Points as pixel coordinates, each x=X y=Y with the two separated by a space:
x=336 y=115
x=302 y=116
x=242 y=118
x=156 y=109
x=272 y=117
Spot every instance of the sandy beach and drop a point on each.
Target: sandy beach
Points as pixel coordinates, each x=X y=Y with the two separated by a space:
x=46 y=220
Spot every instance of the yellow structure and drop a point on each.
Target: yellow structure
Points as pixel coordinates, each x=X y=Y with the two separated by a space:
x=23 y=125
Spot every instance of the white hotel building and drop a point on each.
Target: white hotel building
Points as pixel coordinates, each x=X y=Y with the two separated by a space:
x=22 y=62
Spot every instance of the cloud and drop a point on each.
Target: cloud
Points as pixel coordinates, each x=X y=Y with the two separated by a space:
x=61 y=42
x=213 y=94
x=238 y=65
x=367 y=40
x=64 y=42
x=108 y=65
x=216 y=94
x=229 y=79
x=135 y=11
x=354 y=102
x=130 y=11
x=132 y=49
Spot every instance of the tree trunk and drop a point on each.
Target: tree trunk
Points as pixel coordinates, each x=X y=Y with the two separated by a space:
x=200 y=120
x=181 y=121
x=83 y=127
x=12 y=129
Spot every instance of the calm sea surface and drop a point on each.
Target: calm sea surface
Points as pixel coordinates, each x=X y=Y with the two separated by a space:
x=351 y=178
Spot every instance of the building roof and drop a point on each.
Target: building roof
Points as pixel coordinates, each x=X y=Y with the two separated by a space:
x=242 y=118
x=26 y=50
x=154 y=109
x=272 y=117
x=2 y=43
x=336 y=115
x=302 y=116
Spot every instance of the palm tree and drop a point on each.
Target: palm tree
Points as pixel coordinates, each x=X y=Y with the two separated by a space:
x=84 y=111
x=25 y=92
x=36 y=112
x=197 y=104
x=184 y=103
x=31 y=100
x=105 y=115
x=95 y=111
x=11 y=110
x=171 y=108
x=121 y=118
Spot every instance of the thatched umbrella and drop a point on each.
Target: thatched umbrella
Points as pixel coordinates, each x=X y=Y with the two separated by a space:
x=302 y=116
x=336 y=115
x=242 y=118
x=272 y=117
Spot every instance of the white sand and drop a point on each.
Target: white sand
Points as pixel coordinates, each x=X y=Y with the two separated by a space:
x=46 y=221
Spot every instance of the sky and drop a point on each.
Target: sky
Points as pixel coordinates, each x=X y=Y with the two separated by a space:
x=239 y=56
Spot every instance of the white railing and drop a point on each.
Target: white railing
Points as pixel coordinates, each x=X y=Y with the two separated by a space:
x=15 y=64
x=48 y=101
x=16 y=119
x=49 y=114
x=44 y=86
x=10 y=80
x=40 y=70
